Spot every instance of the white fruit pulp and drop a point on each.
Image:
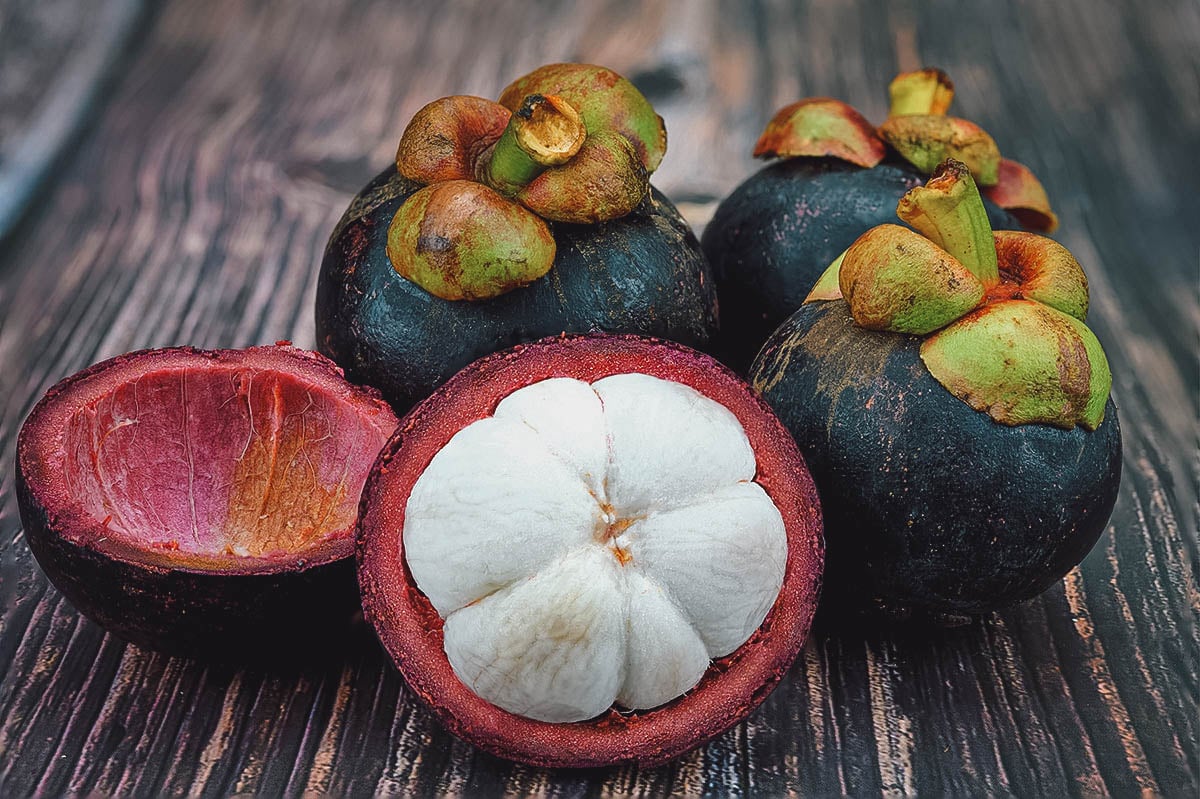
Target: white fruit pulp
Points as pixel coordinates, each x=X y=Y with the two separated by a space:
x=591 y=545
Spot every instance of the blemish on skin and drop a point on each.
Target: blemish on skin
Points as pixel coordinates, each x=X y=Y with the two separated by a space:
x=433 y=243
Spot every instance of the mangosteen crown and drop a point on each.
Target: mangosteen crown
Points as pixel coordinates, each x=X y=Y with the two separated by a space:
x=595 y=543
x=917 y=129
x=1003 y=312
x=566 y=143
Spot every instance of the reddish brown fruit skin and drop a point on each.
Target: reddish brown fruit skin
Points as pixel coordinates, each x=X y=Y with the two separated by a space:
x=411 y=629
x=258 y=612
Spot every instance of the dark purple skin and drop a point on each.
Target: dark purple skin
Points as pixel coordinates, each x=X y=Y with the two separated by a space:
x=929 y=504
x=774 y=236
x=291 y=614
x=643 y=274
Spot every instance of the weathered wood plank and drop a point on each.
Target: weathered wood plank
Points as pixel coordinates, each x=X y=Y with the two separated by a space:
x=196 y=210
x=56 y=57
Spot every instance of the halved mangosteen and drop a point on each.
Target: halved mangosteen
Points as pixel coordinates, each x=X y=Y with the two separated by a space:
x=504 y=222
x=203 y=502
x=591 y=550
x=954 y=408
x=772 y=237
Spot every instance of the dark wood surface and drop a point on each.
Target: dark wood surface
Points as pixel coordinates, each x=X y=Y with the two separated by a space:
x=194 y=208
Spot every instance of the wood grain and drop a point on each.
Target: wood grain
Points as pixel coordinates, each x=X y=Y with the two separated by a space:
x=195 y=210
x=56 y=58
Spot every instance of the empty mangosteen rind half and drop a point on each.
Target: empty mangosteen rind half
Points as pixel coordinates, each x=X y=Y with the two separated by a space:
x=560 y=570
x=202 y=502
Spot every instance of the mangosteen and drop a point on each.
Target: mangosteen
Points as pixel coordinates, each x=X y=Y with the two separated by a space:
x=591 y=550
x=770 y=239
x=953 y=406
x=501 y=223
x=203 y=503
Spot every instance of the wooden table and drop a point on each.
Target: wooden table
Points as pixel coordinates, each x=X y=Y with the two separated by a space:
x=197 y=159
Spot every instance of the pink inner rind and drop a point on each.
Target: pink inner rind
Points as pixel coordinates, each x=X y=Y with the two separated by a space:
x=212 y=459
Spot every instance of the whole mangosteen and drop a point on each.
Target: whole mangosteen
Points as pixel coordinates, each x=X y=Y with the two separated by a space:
x=203 y=502
x=771 y=238
x=953 y=406
x=591 y=550
x=505 y=222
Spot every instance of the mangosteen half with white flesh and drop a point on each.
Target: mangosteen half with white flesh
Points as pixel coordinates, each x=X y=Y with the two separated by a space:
x=773 y=236
x=203 y=502
x=591 y=550
x=953 y=407
x=504 y=222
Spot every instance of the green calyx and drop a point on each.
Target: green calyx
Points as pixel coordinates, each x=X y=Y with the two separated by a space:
x=828 y=285
x=1003 y=313
x=919 y=130
x=605 y=101
x=566 y=143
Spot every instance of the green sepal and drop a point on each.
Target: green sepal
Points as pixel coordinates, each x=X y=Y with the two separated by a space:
x=819 y=127
x=1023 y=362
x=827 y=286
x=926 y=140
x=896 y=280
x=605 y=180
x=1045 y=269
x=461 y=240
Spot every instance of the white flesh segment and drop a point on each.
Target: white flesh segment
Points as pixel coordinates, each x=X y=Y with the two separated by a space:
x=721 y=560
x=592 y=544
x=552 y=647
x=570 y=419
x=493 y=506
x=668 y=443
x=665 y=657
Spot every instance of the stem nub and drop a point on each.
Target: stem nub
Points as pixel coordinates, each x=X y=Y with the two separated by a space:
x=545 y=131
x=949 y=212
x=926 y=91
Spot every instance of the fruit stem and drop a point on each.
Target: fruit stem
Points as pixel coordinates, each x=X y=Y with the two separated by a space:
x=545 y=131
x=926 y=91
x=948 y=211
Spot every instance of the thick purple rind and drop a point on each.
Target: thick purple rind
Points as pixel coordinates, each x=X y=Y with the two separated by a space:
x=268 y=609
